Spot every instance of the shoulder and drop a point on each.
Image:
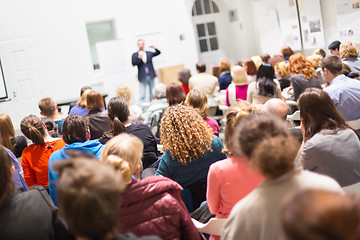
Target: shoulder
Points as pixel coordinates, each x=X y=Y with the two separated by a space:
x=297 y=77
x=217 y=144
x=308 y=179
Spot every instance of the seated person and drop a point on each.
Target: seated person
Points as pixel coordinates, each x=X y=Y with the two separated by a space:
x=319 y=214
x=26 y=215
x=98 y=118
x=76 y=135
x=225 y=77
x=118 y=110
x=231 y=179
x=80 y=107
x=35 y=158
x=238 y=88
x=155 y=201
x=198 y=100
x=265 y=140
x=89 y=191
x=135 y=111
x=184 y=76
x=203 y=81
x=16 y=144
x=330 y=147
x=49 y=109
x=282 y=74
x=189 y=144
x=51 y=127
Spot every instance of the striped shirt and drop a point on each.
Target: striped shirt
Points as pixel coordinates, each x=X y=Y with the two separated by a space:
x=345 y=92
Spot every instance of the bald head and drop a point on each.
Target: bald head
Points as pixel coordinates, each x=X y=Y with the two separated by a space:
x=276 y=106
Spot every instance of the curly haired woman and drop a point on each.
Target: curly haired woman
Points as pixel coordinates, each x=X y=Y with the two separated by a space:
x=302 y=74
x=189 y=144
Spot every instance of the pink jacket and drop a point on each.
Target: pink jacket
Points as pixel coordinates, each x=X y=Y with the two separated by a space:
x=153 y=206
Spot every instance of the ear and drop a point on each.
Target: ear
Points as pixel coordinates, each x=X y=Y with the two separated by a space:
x=12 y=170
x=42 y=114
x=44 y=126
x=88 y=135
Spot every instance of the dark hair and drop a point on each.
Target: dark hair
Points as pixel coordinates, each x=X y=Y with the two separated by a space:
x=83 y=89
x=6 y=182
x=47 y=106
x=332 y=63
x=266 y=141
x=74 y=129
x=118 y=111
x=265 y=57
x=286 y=51
x=334 y=45
x=94 y=100
x=52 y=127
x=32 y=127
x=319 y=112
x=215 y=71
x=201 y=67
x=321 y=215
x=250 y=67
x=89 y=193
x=320 y=52
x=175 y=94
x=265 y=78
x=184 y=75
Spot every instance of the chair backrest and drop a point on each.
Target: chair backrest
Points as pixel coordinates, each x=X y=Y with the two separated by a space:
x=294 y=117
x=213 y=227
x=355 y=124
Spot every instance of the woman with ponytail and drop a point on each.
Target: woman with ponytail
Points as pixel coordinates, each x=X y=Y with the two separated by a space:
x=152 y=206
x=35 y=158
x=118 y=110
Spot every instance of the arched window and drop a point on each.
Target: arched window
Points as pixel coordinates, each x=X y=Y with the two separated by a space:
x=204 y=7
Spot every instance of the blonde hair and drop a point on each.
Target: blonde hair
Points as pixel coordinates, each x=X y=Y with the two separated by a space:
x=314 y=60
x=124 y=91
x=7 y=131
x=82 y=100
x=124 y=153
x=185 y=134
x=283 y=69
x=348 y=50
x=299 y=65
x=257 y=60
x=224 y=65
x=239 y=75
x=198 y=100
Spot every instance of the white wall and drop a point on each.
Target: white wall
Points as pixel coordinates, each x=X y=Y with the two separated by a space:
x=44 y=46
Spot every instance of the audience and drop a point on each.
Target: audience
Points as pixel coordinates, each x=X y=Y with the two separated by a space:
x=314 y=60
x=98 y=118
x=73 y=104
x=198 y=100
x=203 y=81
x=302 y=74
x=265 y=87
x=184 y=76
x=231 y=179
x=118 y=111
x=331 y=147
x=27 y=215
x=49 y=109
x=349 y=55
x=286 y=52
x=35 y=158
x=251 y=70
x=225 y=76
x=89 y=193
x=76 y=135
x=16 y=144
x=155 y=201
x=344 y=92
x=321 y=215
x=334 y=48
x=80 y=107
x=135 y=111
x=18 y=180
x=282 y=74
x=51 y=127
x=264 y=139
x=189 y=145
x=237 y=90
x=152 y=115
x=215 y=71
x=320 y=52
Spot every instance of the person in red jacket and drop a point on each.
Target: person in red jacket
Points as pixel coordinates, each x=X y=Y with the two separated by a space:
x=152 y=206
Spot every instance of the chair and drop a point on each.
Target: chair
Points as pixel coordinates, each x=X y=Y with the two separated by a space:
x=355 y=124
x=294 y=117
x=213 y=227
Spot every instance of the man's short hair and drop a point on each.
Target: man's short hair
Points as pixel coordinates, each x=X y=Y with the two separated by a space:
x=335 y=45
x=89 y=193
x=47 y=106
x=201 y=67
x=332 y=63
x=75 y=128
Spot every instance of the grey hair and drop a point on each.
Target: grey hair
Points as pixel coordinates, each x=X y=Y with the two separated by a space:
x=160 y=91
